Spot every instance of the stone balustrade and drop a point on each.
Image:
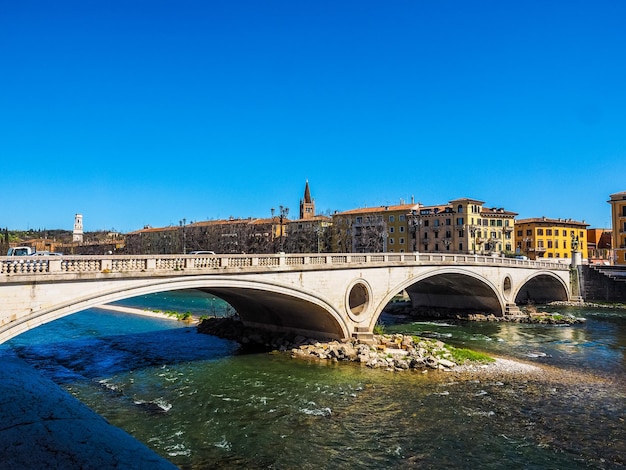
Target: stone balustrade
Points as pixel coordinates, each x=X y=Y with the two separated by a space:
x=128 y=264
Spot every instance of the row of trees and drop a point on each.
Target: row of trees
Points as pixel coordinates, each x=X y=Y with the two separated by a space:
x=249 y=236
x=236 y=236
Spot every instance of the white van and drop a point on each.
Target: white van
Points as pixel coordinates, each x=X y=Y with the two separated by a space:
x=20 y=251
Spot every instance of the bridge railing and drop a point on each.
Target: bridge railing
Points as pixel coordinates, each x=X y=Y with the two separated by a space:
x=167 y=263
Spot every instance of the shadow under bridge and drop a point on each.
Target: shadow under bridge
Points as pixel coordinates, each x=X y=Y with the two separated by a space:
x=450 y=292
x=282 y=311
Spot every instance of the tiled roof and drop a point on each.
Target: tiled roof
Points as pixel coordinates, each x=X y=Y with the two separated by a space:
x=547 y=221
x=371 y=210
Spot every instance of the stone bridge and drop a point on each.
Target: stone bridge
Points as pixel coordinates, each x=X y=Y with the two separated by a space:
x=321 y=295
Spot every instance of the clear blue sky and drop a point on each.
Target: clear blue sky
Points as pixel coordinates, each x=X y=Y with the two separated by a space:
x=144 y=112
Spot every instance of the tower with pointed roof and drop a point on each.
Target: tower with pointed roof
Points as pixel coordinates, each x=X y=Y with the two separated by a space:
x=307 y=204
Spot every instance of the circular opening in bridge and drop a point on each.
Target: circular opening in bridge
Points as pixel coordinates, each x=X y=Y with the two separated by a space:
x=358 y=299
x=506 y=286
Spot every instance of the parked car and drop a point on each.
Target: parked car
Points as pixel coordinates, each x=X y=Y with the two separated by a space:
x=46 y=253
x=20 y=251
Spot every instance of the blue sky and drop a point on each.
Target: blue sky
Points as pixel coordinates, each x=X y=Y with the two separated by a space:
x=146 y=112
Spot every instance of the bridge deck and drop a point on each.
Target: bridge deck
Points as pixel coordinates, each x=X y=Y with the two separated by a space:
x=55 y=265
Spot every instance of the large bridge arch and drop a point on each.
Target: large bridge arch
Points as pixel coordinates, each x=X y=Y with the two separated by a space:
x=262 y=304
x=450 y=289
x=540 y=288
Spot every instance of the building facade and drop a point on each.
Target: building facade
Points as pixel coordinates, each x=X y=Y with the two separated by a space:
x=463 y=226
x=618 y=218
x=599 y=246
x=550 y=238
x=373 y=229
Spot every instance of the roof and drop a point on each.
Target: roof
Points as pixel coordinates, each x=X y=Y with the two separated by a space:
x=375 y=210
x=547 y=221
x=497 y=211
x=307 y=193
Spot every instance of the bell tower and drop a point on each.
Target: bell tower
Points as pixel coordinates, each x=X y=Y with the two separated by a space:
x=307 y=204
x=78 y=228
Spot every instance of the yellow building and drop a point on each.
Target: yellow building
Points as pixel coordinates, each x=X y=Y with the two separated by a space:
x=550 y=238
x=618 y=211
x=463 y=226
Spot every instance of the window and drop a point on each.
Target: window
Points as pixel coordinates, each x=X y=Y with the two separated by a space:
x=436 y=223
x=436 y=234
x=391 y=229
x=426 y=223
x=556 y=243
x=359 y=220
x=493 y=235
x=448 y=222
x=459 y=221
x=436 y=246
x=401 y=241
x=519 y=233
x=540 y=243
x=402 y=229
x=460 y=246
x=461 y=233
x=624 y=213
x=391 y=241
x=549 y=232
x=539 y=231
x=392 y=218
x=492 y=223
x=549 y=243
x=448 y=234
x=529 y=233
x=556 y=232
x=402 y=218
x=499 y=223
x=460 y=209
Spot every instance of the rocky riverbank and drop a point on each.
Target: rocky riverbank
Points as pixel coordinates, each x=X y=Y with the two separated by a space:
x=390 y=352
x=527 y=314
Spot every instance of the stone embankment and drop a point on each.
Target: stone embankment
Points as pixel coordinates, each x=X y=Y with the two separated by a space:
x=391 y=352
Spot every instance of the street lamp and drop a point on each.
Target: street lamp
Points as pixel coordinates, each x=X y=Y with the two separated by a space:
x=282 y=214
x=415 y=221
x=182 y=225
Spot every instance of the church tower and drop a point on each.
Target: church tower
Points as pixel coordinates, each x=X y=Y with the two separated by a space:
x=78 y=228
x=307 y=205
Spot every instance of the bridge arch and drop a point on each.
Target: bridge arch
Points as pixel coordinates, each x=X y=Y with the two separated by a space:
x=540 y=288
x=450 y=289
x=261 y=304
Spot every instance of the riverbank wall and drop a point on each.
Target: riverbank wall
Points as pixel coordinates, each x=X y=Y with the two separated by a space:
x=603 y=283
x=42 y=426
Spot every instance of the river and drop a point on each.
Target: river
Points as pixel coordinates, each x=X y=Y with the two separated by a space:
x=197 y=402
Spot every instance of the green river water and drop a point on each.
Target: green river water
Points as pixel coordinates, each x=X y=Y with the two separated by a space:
x=199 y=403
